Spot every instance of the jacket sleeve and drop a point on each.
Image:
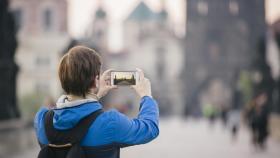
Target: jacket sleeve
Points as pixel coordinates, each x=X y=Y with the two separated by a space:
x=39 y=125
x=139 y=130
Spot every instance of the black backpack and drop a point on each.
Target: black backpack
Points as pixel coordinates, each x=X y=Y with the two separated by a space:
x=66 y=143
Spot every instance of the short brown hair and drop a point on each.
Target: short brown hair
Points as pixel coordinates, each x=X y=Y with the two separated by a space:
x=78 y=69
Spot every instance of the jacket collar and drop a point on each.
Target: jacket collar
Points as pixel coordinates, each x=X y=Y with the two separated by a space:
x=63 y=102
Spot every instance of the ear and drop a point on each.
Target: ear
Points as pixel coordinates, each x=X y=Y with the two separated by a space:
x=95 y=82
x=97 y=78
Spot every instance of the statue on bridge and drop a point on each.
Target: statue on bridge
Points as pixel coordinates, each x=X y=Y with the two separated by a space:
x=8 y=67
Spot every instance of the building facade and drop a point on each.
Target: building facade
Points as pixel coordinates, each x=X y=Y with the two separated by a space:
x=150 y=44
x=42 y=36
x=221 y=39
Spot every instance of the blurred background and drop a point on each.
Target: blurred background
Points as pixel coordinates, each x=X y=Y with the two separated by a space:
x=214 y=67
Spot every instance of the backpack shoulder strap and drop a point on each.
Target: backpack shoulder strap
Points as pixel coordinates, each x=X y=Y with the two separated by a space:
x=60 y=138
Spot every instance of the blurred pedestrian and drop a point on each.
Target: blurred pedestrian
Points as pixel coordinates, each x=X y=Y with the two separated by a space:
x=234 y=122
x=209 y=112
x=258 y=116
x=224 y=114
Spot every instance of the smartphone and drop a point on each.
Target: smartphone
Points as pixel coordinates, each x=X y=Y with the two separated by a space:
x=124 y=78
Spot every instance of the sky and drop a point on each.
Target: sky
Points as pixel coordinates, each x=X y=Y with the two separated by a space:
x=272 y=10
x=81 y=11
x=81 y=15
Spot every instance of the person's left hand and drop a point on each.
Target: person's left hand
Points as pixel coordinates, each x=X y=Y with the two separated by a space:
x=105 y=84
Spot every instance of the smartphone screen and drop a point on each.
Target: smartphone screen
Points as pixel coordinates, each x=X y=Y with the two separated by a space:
x=124 y=78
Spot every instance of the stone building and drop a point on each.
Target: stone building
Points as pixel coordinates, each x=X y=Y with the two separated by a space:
x=150 y=44
x=96 y=34
x=221 y=39
x=42 y=35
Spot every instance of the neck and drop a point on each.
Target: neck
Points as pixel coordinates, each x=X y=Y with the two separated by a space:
x=71 y=97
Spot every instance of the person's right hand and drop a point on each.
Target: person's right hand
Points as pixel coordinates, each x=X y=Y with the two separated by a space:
x=143 y=86
x=105 y=84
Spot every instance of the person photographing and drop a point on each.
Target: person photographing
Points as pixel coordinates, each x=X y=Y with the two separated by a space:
x=77 y=126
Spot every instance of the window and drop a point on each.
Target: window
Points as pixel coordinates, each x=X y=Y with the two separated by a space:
x=214 y=50
x=160 y=52
x=18 y=14
x=99 y=33
x=233 y=7
x=47 y=20
x=202 y=8
x=242 y=27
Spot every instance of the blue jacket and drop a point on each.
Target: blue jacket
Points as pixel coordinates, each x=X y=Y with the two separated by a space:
x=110 y=127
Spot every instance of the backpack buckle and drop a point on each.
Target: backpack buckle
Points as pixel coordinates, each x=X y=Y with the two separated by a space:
x=60 y=146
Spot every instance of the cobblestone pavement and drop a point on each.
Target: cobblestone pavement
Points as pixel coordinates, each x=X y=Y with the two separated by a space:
x=194 y=139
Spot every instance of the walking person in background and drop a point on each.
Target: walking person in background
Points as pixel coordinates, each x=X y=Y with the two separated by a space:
x=258 y=115
x=234 y=122
x=209 y=112
x=224 y=114
x=77 y=127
